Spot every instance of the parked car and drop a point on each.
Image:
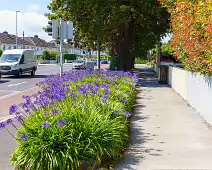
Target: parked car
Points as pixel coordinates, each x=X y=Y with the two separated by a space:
x=104 y=62
x=95 y=62
x=79 y=64
x=18 y=61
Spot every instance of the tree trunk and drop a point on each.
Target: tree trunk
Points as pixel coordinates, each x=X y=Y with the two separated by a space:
x=126 y=58
x=122 y=49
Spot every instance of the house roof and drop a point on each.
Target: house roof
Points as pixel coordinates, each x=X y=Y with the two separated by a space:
x=37 y=41
x=11 y=39
x=51 y=45
x=53 y=42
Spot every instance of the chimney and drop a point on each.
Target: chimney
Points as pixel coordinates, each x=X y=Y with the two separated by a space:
x=36 y=36
x=5 y=32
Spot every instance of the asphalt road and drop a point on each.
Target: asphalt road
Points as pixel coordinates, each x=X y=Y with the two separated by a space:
x=11 y=85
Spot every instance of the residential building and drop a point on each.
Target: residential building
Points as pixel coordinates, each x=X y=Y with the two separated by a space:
x=54 y=45
x=8 y=41
x=40 y=44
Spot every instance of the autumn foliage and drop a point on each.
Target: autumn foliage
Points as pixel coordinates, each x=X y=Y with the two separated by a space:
x=191 y=22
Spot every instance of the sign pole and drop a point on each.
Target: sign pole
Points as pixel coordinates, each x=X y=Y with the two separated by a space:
x=61 y=47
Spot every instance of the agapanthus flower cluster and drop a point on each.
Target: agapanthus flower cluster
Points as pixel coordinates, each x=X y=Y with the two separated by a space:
x=72 y=85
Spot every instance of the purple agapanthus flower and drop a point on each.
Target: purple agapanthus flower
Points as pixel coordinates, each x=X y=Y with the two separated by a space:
x=127 y=114
x=132 y=87
x=13 y=109
x=2 y=125
x=61 y=123
x=45 y=114
x=24 y=137
x=104 y=100
x=8 y=122
x=19 y=119
x=55 y=112
x=45 y=124
x=125 y=101
x=117 y=112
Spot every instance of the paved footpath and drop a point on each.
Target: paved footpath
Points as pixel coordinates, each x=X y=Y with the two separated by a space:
x=166 y=133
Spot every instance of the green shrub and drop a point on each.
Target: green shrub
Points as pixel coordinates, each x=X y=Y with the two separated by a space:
x=54 y=55
x=166 y=49
x=140 y=61
x=45 y=55
x=105 y=57
x=1 y=52
x=87 y=123
x=102 y=57
x=70 y=56
x=50 y=55
x=65 y=51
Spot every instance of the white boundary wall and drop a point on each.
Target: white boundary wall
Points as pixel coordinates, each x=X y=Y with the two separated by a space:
x=196 y=89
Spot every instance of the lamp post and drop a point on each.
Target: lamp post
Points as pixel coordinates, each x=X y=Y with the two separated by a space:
x=98 y=54
x=17 y=29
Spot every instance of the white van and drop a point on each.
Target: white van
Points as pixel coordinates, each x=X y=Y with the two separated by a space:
x=18 y=61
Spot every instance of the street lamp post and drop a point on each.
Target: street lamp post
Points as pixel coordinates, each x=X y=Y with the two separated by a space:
x=17 y=29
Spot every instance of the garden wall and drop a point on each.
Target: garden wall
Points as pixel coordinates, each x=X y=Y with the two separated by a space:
x=196 y=89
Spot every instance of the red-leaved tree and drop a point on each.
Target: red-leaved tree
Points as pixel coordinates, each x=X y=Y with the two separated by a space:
x=191 y=22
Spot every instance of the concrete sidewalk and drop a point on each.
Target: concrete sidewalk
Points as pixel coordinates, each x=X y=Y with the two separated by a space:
x=166 y=132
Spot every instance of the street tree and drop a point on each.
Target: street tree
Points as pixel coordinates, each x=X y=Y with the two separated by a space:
x=192 y=33
x=127 y=28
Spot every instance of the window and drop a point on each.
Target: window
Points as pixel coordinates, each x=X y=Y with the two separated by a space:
x=4 y=47
x=10 y=58
x=22 y=59
x=14 y=47
x=9 y=47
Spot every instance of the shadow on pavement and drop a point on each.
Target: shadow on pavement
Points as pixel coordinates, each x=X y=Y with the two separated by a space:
x=137 y=150
x=3 y=81
x=148 y=78
x=25 y=76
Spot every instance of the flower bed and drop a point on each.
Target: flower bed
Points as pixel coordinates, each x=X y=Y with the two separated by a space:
x=79 y=119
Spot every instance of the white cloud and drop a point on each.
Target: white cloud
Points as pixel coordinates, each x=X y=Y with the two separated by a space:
x=33 y=8
x=31 y=22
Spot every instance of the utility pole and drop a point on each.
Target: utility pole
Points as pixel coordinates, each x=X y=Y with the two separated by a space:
x=98 y=56
x=159 y=50
x=16 y=39
x=61 y=47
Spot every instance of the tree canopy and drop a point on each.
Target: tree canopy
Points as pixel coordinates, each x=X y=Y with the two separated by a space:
x=192 y=30
x=127 y=28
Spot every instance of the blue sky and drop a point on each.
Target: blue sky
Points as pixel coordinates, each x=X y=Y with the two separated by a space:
x=31 y=19
x=22 y=5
